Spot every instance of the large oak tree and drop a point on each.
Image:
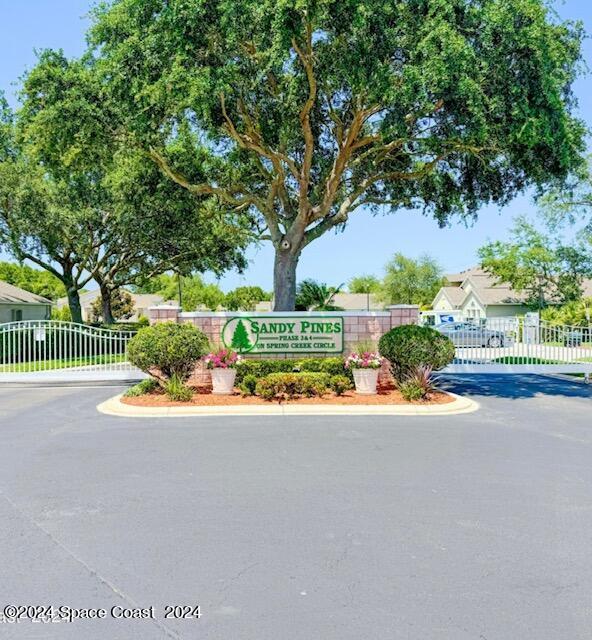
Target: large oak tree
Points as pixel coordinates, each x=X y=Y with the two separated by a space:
x=303 y=111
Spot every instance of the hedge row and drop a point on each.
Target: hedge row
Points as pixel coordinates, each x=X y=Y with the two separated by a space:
x=262 y=368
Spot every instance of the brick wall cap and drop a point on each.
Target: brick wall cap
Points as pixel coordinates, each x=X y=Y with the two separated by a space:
x=165 y=306
x=284 y=314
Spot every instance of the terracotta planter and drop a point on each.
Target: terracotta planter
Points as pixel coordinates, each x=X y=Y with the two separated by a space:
x=366 y=381
x=223 y=381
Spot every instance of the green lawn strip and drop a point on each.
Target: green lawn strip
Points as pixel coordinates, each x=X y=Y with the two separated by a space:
x=525 y=360
x=46 y=365
x=532 y=360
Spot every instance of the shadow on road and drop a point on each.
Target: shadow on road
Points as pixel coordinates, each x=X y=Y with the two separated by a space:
x=513 y=386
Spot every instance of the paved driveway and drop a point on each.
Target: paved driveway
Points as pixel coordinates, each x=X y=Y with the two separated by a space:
x=473 y=527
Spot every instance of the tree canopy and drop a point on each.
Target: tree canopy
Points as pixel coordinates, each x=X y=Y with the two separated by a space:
x=301 y=112
x=245 y=298
x=410 y=281
x=36 y=281
x=364 y=284
x=84 y=204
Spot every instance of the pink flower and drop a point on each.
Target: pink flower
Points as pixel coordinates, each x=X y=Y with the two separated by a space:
x=223 y=359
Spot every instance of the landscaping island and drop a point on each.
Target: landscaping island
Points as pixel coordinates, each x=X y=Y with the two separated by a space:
x=373 y=378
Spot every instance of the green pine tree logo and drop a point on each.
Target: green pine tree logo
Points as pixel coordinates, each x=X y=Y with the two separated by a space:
x=240 y=338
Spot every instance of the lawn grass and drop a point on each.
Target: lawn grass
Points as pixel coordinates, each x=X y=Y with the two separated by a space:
x=47 y=365
x=525 y=360
x=532 y=360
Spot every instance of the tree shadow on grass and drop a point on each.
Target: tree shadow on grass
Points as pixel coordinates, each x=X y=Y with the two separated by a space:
x=513 y=386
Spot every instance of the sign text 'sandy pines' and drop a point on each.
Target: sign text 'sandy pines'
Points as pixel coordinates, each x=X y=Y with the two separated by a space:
x=284 y=334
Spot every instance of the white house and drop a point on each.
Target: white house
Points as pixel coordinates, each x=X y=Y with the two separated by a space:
x=475 y=294
x=17 y=304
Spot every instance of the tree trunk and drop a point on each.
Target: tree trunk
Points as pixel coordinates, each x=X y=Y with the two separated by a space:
x=74 y=304
x=106 y=310
x=284 y=279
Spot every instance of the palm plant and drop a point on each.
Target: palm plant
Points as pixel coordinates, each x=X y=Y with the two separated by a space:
x=316 y=296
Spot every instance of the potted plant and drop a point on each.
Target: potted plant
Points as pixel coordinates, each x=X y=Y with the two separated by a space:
x=222 y=364
x=364 y=366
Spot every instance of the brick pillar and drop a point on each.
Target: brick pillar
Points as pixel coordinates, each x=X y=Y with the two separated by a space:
x=164 y=313
x=404 y=314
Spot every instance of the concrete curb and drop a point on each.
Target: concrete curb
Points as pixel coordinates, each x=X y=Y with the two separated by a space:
x=114 y=407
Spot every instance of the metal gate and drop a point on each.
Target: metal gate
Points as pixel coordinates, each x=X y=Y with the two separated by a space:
x=54 y=351
x=514 y=345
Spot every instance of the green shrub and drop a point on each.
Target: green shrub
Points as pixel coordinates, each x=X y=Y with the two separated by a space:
x=331 y=366
x=262 y=368
x=409 y=346
x=411 y=390
x=167 y=349
x=248 y=385
x=177 y=390
x=283 y=386
x=142 y=388
x=340 y=384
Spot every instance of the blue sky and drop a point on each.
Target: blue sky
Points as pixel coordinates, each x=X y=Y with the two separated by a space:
x=368 y=242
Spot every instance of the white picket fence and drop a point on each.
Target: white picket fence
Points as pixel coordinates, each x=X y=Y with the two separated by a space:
x=513 y=345
x=48 y=350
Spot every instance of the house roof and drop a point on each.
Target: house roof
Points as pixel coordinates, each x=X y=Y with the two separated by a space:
x=454 y=294
x=9 y=294
x=356 y=301
x=461 y=276
x=490 y=292
x=587 y=288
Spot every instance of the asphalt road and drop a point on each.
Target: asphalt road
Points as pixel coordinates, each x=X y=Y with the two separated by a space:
x=446 y=528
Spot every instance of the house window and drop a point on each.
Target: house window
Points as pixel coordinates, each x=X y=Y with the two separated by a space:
x=17 y=315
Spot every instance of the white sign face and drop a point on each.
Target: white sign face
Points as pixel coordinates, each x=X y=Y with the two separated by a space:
x=39 y=334
x=284 y=334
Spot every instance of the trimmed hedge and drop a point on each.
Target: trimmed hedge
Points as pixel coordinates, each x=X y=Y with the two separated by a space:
x=410 y=346
x=169 y=348
x=283 y=386
x=262 y=368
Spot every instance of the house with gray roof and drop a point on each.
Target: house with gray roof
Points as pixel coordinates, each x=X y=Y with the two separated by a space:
x=17 y=304
x=475 y=294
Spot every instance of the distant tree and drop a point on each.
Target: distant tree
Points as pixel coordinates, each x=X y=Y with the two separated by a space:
x=245 y=298
x=195 y=292
x=240 y=338
x=364 y=284
x=410 y=281
x=540 y=264
x=122 y=307
x=63 y=314
x=316 y=296
x=36 y=281
x=571 y=204
x=574 y=313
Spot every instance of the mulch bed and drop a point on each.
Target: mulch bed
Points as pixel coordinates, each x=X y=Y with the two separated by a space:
x=203 y=397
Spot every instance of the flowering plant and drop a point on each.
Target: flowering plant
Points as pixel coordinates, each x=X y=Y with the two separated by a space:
x=222 y=359
x=363 y=360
